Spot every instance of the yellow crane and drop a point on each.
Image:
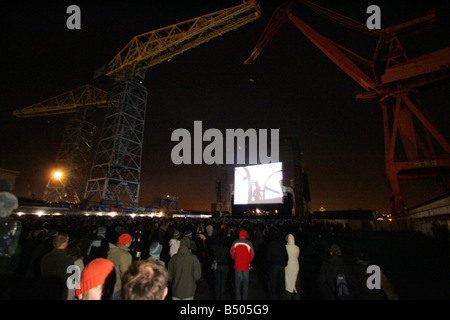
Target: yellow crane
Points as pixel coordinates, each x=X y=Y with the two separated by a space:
x=115 y=173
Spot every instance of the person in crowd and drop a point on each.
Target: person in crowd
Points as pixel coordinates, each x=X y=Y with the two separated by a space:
x=145 y=280
x=54 y=269
x=336 y=279
x=209 y=230
x=184 y=272
x=99 y=247
x=292 y=270
x=121 y=257
x=97 y=281
x=174 y=243
x=155 y=253
x=221 y=267
x=8 y=201
x=192 y=245
x=242 y=254
x=10 y=233
x=74 y=251
x=276 y=262
x=44 y=244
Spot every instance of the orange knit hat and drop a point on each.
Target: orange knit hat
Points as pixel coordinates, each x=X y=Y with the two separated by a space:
x=125 y=238
x=94 y=274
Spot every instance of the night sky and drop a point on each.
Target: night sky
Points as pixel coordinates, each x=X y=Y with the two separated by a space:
x=295 y=88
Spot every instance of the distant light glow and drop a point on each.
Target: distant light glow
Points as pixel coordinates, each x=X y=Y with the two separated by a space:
x=57 y=174
x=39 y=213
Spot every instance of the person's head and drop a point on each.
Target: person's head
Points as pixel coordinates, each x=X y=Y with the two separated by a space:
x=60 y=241
x=290 y=239
x=276 y=235
x=74 y=249
x=176 y=234
x=243 y=234
x=97 y=280
x=362 y=255
x=125 y=239
x=145 y=280
x=155 y=249
x=335 y=250
x=101 y=231
x=185 y=242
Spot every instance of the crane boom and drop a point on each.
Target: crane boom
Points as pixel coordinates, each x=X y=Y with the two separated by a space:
x=328 y=47
x=151 y=48
x=67 y=102
x=336 y=55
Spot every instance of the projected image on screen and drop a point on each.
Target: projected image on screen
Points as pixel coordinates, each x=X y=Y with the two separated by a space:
x=258 y=184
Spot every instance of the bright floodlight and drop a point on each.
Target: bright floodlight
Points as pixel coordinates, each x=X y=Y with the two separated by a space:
x=57 y=174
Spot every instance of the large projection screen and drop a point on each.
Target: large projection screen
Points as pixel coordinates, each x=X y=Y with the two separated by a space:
x=258 y=184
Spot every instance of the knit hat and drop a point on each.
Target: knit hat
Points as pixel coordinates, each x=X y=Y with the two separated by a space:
x=176 y=234
x=94 y=274
x=185 y=242
x=188 y=233
x=124 y=239
x=155 y=249
x=101 y=231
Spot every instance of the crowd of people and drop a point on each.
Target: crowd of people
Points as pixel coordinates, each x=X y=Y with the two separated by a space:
x=126 y=258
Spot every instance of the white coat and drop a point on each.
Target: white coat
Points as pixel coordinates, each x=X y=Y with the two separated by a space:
x=292 y=269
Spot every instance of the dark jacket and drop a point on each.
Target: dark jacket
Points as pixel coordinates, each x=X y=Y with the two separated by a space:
x=55 y=263
x=276 y=254
x=328 y=275
x=54 y=273
x=184 y=272
x=221 y=255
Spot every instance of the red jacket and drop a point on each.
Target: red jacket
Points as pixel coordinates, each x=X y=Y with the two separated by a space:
x=242 y=252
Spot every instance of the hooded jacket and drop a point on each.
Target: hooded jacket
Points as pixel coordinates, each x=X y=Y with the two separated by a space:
x=184 y=272
x=292 y=269
x=242 y=252
x=121 y=257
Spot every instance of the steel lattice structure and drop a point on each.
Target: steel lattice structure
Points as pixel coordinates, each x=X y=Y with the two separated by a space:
x=76 y=146
x=73 y=159
x=115 y=174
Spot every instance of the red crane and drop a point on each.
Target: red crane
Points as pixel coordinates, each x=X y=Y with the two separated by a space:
x=394 y=84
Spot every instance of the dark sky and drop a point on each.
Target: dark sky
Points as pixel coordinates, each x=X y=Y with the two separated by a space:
x=296 y=89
